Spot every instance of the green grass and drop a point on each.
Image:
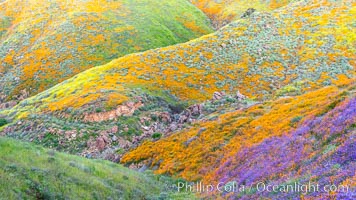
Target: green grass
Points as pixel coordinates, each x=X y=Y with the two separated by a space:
x=32 y=172
x=164 y=26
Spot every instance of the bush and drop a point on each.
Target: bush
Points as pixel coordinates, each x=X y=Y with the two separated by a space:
x=3 y=122
x=156 y=135
x=295 y=120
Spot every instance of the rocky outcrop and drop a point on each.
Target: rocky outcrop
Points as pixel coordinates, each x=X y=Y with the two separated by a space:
x=110 y=140
x=9 y=104
x=4 y=99
x=123 y=110
x=240 y=96
x=248 y=12
x=196 y=109
x=99 y=143
x=218 y=95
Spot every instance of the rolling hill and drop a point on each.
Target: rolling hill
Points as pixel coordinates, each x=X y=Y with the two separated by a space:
x=223 y=12
x=290 y=137
x=32 y=172
x=45 y=42
x=303 y=47
x=300 y=48
x=269 y=97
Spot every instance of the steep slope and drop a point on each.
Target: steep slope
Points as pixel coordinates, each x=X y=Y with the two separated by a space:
x=31 y=172
x=223 y=12
x=290 y=140
x=320 y=150
x=45 y=42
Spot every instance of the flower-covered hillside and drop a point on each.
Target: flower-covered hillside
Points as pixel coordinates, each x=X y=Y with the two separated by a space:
x=44 y=42
x=322 y=149
x=307 y=45
x=225 y=11
x=215 y=141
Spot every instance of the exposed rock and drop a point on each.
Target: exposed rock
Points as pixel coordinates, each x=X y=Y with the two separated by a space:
x=196 y=109
x=240 y=96
x=155 y=167
x=143 y=168
x=145 y=128
x=69 y=135
x=23 y=95
x=100 y=143
x=172 y=127
x=114 y=129
x=201 y=131
x=165 y=117
x=91 y=144
x=124 y=144
x=184 y=116
x=110 y=154
x=248 y=12
x=144 y=119
x=190 y=140
x=9 y=104
x=123 y=110
x=218 y=95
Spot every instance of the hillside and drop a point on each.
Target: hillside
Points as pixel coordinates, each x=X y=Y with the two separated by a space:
x=223 y=12
x=260 y=56
x=45 y=42
x=32 y=172
x=306 y=138
x=269 y=98
x=286 y=53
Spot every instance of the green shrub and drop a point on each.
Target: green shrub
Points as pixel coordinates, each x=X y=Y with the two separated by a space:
x=295 y=120
x=3 y=122
x=156 y=135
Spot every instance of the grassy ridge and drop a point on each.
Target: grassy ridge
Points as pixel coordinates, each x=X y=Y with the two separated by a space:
x=45 y=42
x=32 y=172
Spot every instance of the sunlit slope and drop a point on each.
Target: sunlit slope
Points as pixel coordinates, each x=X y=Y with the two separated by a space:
x=215 y=141
x=307 y=138
x=45 y=42
x=225 y=11
x=303 y=47
x=31 y=172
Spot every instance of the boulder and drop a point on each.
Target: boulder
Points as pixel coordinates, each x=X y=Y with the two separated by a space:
x=196 y=109
x=100 y=143
x=248 y=12
x=240 y=96
x=218 y=95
